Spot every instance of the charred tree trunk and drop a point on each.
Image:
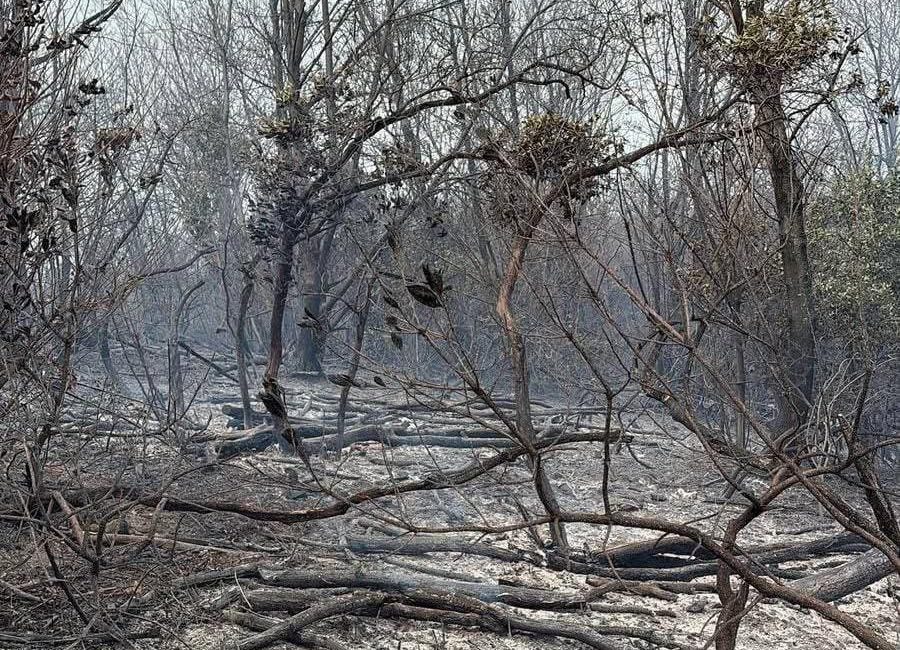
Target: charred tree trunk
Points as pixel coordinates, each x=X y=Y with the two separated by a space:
x=282 y=283
x=361 y=320
x=289 y=26
x=733 y=600
x=742 y=437
x=241 y=346
x=311 y=340
x=272 y=394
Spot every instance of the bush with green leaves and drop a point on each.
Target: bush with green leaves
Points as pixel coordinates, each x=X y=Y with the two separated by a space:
x=854 y=231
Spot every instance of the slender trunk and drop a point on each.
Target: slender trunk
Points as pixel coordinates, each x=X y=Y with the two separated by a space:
x=740 y=361
x=176 y=375
x=103 y=344
x=241 y=345
x=288 y=19
x=878 y=498
x=739 y=340
x=272 y=394
x=729 y=619
x=733 y=601
x=151 y=393
x=329 y=61
x=176 y=381
x=519 y=363
x=279 y=299
x=798 y=355
x=506 y=35
x=311 y=340
x=361 y=320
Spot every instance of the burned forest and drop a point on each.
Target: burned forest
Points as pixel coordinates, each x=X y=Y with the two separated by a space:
x=450 y=324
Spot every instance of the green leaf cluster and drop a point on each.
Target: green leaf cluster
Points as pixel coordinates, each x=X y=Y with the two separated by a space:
x=854 y=236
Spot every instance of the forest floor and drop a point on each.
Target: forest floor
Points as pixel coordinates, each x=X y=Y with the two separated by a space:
x=662 y=472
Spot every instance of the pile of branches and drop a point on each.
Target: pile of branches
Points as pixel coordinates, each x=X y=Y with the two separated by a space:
x=465 y=424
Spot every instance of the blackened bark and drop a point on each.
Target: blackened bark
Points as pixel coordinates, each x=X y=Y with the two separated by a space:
x=311 y=341
x=282 y=280
x=361 y=320
x=241 y=341
x=272 y=394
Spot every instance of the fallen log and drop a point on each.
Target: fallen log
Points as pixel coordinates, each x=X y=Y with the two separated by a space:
x=638 y=561
x=224 y=372
x=649 y=589
x=684 y=573
x=858 y=573
x=265 y=438
x=430 y=417
x=629 y=562
x=436 y=480
x=840 y=543
x=85 y=639
x=236 y=413
x=660 y=589
x=307 y=617
x=259 y=623
x=416 y=546
x=217 y=575
x=178 y=544
x=674 y=552
x=452 y=608
x=438 y=544
x=431 y=570
x=257 y=441
x=650 y=553
x=399 y=582
x=497 y=620
x=316 y=436
x=602 y=608
x=432 y=606
x=274 y=599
